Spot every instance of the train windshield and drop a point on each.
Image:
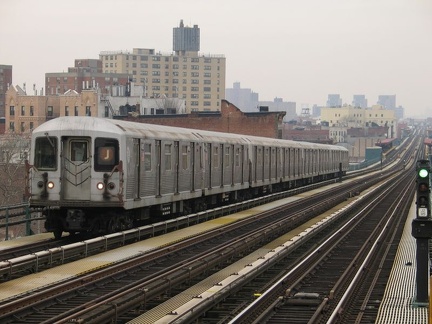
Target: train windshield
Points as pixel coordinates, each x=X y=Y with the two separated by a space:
x=106 y=154
x=46 y=153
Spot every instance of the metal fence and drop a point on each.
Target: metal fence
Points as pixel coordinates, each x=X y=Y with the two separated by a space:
x=20 y=215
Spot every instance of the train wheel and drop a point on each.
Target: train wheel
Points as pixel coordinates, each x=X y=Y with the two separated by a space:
x=58 y=233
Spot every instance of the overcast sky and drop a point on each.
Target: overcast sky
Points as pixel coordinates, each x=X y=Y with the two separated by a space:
x=298 y=50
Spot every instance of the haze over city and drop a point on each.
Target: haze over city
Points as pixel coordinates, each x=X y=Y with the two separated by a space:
x=296 y=50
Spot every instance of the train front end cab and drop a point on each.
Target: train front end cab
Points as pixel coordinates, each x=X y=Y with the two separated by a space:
x=75 y=180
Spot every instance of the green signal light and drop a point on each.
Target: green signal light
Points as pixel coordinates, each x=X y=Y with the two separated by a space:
x=423 y=173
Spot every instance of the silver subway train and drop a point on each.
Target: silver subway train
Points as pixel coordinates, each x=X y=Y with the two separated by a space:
x=102 y=175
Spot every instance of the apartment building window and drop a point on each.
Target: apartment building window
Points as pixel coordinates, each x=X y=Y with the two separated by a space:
x=175 y=74
x=134 y=65
x=31 y=126
x=194 y=103
x=184 y=59
x=12 y=126
x=207 y=75
x=207 y=60
x=195 y=74
x=144 y=65
x=12 y=110
x=207 y=81
x=184 y=66
x=175 y=67
x=166 y=73
x=50 y=111
x=195 y=67
x=195 y=81
x=22 y=127
x=22 y=110
x=88 y=111
x=76 y=111
x=207 y=89
x=207 y=67
x=157 y=73
x=207 y=96
x=207 y=103
x=175 y=81
x=156 y=66
x=156 y=58
x=184 y=81
x=194 y=96
x=195 y=59
x=66 y=110
x=134 y=57
x=31 y=111
x=156 y=88
x=175 y=59
x=143 y=73
x=195 y=89
x=156 y=80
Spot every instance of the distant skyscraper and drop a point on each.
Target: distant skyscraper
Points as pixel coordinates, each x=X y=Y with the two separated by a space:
x=186 y=39
x=244 y=99
x=359 y=101
x=388 y=101
x=334 y=100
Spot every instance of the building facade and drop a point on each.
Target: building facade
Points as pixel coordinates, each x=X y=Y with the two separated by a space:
x=186 y=74
x=198 y=79
x=5 y=82
x=343 y=118
x=26 y=112
x=87 y=74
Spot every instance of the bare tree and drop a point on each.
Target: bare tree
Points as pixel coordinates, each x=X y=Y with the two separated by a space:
x=14 y=150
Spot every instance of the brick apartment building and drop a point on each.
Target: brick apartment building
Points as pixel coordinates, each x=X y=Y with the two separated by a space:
x=87 y=74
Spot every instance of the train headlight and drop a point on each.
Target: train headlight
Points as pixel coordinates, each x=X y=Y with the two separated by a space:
x=40 y=184
x=50 y=185
x=111 y=185
x=100 y=185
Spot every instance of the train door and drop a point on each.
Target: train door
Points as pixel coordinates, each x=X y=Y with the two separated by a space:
x=135 y=168
x=158 y=168
x=76 y=171
x=193 y=171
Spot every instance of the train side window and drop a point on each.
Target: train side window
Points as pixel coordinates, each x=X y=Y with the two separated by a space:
x=168 y=150
x=237 y=157
x=147 y=157
x=106 y=154
x=185 y=156
x=215 y=156
x=46 y=153
x=227 y=157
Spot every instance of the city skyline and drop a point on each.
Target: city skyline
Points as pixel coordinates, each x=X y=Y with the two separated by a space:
x=300 y=51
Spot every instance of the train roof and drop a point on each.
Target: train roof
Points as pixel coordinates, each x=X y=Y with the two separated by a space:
x=85 y=126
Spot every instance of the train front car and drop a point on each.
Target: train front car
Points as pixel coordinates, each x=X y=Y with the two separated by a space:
x=76 y=175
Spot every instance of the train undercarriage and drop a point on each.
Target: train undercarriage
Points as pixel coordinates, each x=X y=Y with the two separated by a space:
x=105 y=220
